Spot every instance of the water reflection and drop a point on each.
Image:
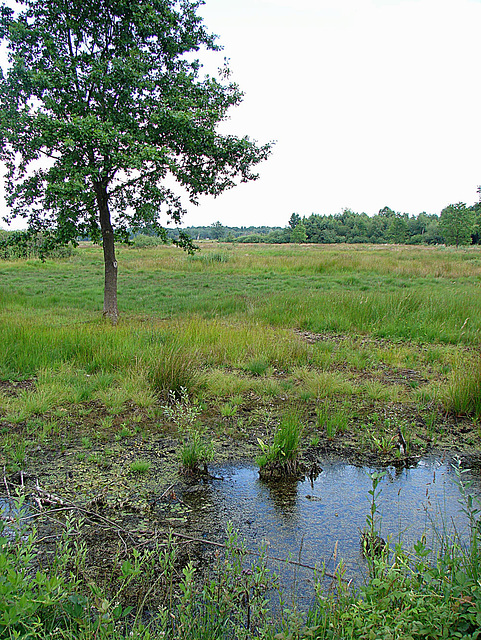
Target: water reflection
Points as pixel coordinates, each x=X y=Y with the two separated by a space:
x=284 y=496
x=320 y=522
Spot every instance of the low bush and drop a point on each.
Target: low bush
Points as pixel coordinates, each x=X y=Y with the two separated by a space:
x=195 y=450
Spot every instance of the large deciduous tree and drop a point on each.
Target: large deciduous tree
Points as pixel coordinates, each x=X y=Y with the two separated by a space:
x=104 y=111
x=456 y=223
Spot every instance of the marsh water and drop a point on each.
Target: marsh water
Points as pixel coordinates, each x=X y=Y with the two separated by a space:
x=320 y=521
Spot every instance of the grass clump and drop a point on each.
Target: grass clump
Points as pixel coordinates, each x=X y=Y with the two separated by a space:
x=330 y=421
x=173 y=369
x=140 y=467
x=322 y=384
x=280 y=458
x=462 y=395
x=257 y=367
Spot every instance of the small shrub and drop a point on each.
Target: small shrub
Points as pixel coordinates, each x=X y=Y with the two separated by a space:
x=142 y=241
x=195 y=450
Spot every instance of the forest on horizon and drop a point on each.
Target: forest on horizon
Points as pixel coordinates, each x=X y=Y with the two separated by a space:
x=458 y=224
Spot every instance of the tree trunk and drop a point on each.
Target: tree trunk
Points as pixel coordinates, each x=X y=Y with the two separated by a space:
x=110 y=284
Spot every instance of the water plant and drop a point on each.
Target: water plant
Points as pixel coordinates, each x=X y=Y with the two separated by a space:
x=372 y=544
x=196 y=451
x=280 y=458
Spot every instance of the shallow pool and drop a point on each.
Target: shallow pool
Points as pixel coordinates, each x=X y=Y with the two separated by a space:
x=320 y=521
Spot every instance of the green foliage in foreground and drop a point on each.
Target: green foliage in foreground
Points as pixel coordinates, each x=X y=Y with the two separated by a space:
x=407 y=596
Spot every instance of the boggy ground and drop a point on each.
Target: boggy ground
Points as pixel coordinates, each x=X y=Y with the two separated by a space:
x=120 y=471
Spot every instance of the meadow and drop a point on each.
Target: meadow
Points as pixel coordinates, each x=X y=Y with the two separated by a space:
x=210 y=355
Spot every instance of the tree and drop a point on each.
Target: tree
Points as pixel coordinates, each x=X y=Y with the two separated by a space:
x=397 y=230
x=218 y=231
x=456 y=224
x=103 y=111
x=294 y=221
x=299 y=234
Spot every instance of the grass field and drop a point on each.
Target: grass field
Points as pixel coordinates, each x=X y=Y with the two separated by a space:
x=212 y=351
x=362 y=327
x=423 y=294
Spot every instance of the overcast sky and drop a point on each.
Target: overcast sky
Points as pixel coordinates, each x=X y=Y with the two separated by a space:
x=370 y=102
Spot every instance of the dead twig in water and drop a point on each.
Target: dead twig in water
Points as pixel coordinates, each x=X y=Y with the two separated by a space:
x=91 y=515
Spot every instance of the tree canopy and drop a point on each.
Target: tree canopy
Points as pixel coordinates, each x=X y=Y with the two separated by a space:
x=105 y=112
x=457 y=224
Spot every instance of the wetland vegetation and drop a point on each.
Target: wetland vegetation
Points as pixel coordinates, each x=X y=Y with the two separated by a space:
x=344 y=348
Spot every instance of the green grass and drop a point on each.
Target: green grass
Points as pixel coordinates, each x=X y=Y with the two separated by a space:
x=223 y=326
x=233 y=341
x=140 y=466
x=420 y=293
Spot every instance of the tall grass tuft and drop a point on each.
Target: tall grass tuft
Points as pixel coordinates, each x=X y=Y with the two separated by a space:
x=280 y=457
x=172 y=369
x=462 y=395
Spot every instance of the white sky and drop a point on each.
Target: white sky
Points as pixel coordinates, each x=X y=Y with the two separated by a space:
x=371 y=102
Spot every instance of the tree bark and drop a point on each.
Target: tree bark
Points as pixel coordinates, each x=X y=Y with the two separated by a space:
x=110 y=283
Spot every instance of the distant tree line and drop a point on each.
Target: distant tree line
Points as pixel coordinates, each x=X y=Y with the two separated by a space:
x=458 y=224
